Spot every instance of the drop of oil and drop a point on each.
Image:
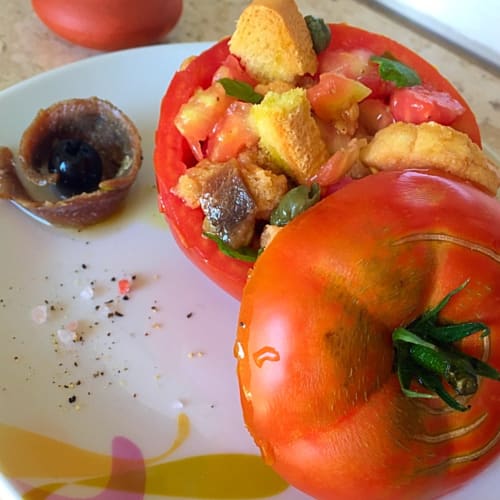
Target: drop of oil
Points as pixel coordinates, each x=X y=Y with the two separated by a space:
x=267 y=452
x=238 y=350
x=247 y=394
x=265 y=354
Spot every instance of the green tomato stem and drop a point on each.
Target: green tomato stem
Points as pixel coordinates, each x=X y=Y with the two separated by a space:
x=426 y=354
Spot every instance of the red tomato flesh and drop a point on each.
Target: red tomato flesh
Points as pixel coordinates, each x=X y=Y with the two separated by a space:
x=419 y=104
x=374 y=115
x=335 y=93
x=231 y=134
x=356 y=64
x=231 y=68
x=196 y=118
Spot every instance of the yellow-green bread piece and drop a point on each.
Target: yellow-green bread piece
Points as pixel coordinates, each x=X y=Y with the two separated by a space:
x=289 y=134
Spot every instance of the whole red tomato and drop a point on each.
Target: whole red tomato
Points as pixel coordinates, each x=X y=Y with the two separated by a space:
x=315 y=354
x=109 y=24
x=172 y=156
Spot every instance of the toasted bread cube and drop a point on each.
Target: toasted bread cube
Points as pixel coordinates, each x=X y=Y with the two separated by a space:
x=266 y=187
x=430 y=145
x=273 y=41
x=190 y=185
x=289 y=134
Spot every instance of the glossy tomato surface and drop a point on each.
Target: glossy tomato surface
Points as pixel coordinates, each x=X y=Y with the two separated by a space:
x=109 y=24
x=172 y=155
x=314 y=348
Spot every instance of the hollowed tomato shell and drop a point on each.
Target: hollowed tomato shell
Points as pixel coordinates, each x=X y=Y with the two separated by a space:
x=172 y=156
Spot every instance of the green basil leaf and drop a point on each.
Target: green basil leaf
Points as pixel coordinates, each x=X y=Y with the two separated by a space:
x=320 y=33
x=241 y=90
x=296 y=201
x=394 y=71
x=245 y=254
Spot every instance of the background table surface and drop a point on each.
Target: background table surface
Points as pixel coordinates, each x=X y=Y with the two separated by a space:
x=28 y=48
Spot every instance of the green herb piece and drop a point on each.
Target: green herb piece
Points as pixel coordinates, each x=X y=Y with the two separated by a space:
x=320 y=33
x=240 y=90
x=425 y=353
x=394 y=71
x=296 y=201
x=245 y=254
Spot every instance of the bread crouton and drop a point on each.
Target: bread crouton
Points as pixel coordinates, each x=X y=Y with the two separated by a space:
x=289 y=133
x=266 y=187
x=273 y=41
x=189 y=187
x=430 y=145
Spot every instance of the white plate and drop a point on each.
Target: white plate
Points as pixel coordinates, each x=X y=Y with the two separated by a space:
x=155 y=387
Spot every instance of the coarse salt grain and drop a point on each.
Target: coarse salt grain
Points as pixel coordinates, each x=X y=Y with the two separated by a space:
x=39 y=314
x=195 y=354
x=177 y=404
x=87 y=293
x=65 y=336
x=108 y=309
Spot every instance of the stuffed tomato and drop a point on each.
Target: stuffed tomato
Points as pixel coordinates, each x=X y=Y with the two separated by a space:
x=232 y=145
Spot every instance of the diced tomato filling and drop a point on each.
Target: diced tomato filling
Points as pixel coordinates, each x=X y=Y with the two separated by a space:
x=420 y=104
x=337 y=166
x=374 y=115
x=335 y=93
x=350 y=101
x=231 y=133
x=346 y=77
x=196 y=118
x=356 y=64
x=352 y=64
x=232 y=68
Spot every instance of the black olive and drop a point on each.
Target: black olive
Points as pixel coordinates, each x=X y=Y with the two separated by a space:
x=78 y=165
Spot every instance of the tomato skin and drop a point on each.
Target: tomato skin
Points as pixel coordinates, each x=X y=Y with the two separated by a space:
x=172 y=156
x=110 y=24
x=314 y=344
